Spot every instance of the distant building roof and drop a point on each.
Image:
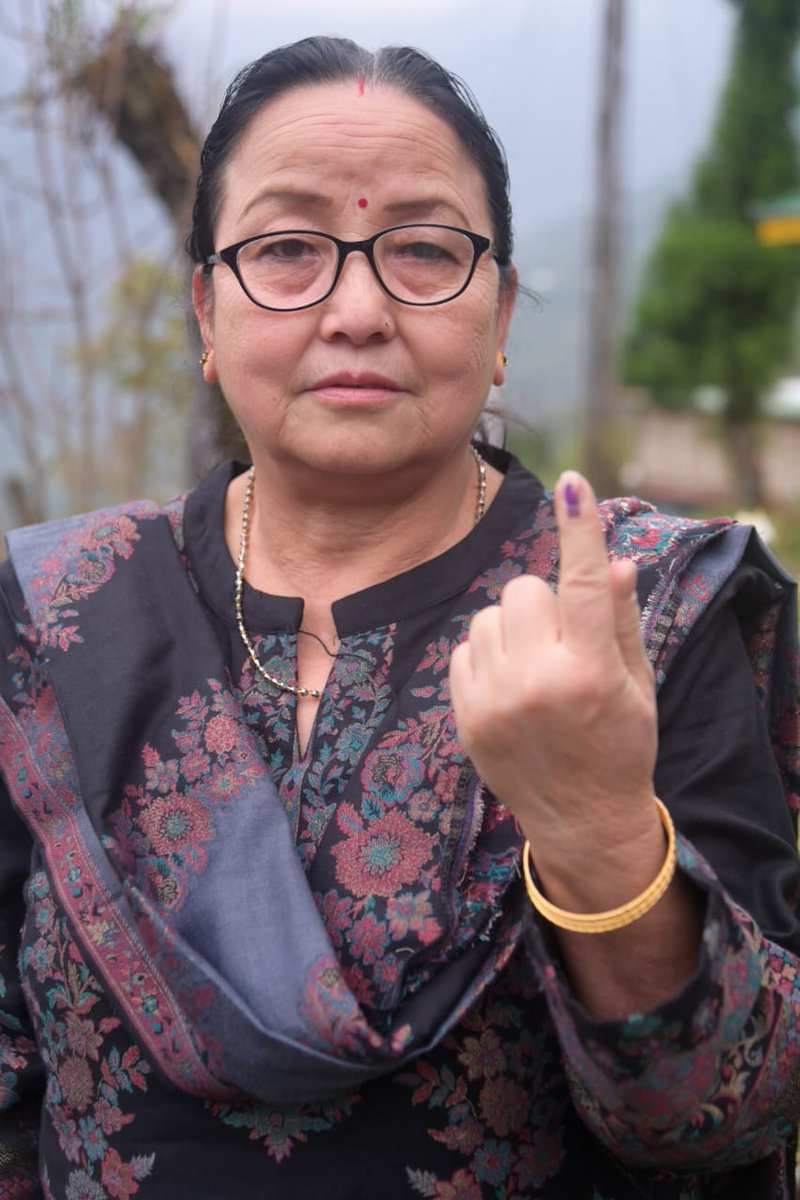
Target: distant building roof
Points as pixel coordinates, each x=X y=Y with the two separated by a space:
x=778 y=220
x=784 y=399
x=787 y=205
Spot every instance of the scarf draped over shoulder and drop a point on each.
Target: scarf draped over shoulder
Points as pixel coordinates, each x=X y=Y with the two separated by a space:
x=180 y=875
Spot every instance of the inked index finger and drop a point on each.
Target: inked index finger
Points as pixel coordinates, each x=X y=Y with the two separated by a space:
x=585 y=598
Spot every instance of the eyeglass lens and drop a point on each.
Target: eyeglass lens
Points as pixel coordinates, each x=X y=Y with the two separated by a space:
x=418 y=264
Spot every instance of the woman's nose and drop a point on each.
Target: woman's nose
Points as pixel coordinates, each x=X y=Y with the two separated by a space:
x=358 y=306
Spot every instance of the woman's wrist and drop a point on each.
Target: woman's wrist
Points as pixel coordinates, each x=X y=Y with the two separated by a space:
x=592 y=865
x=607 y=920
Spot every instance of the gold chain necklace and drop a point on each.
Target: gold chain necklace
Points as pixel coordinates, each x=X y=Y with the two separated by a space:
x=480 y=508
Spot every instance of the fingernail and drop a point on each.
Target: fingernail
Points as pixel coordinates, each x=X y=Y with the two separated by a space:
x=573 y=500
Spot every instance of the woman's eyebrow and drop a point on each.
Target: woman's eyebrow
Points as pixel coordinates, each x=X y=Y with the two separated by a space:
x=288 y=196
x=417 y=208
x=431 y=206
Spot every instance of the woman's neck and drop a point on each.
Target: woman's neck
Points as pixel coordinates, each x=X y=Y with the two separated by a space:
x=324 y=544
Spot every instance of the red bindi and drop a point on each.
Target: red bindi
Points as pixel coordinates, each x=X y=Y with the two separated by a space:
x=362 y=203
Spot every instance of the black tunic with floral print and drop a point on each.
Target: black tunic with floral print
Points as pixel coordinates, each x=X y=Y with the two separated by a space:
x=158 y=1036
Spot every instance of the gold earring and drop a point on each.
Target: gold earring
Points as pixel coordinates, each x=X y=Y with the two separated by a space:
x=204 y=357
x=503 y=359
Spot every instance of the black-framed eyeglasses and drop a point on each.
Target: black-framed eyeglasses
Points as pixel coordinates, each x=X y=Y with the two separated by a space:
x=292 y=269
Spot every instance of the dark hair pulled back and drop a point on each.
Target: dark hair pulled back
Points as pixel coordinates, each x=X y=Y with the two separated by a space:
x=316 y=60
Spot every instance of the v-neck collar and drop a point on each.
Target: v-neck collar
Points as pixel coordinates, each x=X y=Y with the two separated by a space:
x=398 y=598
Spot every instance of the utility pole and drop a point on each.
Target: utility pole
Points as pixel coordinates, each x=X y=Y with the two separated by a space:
x=602 y=391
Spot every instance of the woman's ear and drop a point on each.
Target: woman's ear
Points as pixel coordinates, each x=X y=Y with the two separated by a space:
x=508 y=295
x=203 y=305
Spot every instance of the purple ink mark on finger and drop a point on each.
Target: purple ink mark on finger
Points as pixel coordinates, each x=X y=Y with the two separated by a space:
x=573 y=499
x=362 y=203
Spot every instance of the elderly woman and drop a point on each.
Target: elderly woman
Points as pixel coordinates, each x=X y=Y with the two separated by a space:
x=352 y=856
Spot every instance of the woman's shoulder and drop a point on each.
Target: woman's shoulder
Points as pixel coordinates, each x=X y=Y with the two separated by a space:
x=721 y=546
x=54 y=565
x=685 y=549
x=88 y=526
x=636 y=529
x=690 y=572
x=110 y=526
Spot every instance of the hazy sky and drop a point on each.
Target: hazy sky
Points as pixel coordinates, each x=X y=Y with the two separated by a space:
x=532 y=64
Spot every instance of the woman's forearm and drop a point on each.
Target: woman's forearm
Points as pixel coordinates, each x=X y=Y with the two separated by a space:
x=639 y=966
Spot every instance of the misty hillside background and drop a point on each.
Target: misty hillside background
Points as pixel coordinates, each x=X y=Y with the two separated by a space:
x=547 y=347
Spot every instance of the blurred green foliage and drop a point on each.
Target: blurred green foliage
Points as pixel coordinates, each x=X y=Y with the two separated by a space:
x=715 y=306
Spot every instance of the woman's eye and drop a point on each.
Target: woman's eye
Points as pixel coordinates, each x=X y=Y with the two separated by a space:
x=285 y=248
x=424 y=252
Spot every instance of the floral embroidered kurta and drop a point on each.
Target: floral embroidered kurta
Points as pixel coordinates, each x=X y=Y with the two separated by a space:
x=232 y=970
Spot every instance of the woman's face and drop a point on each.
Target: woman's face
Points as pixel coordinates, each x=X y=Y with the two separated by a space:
x=359 y=383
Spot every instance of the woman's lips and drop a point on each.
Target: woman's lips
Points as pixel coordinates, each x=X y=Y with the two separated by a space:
x=355 y=389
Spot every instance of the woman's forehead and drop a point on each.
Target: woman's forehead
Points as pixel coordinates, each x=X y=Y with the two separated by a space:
x=320 y=135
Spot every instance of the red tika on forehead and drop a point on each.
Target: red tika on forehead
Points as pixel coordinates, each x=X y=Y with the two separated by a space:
x=362 y=202
x=361 y=85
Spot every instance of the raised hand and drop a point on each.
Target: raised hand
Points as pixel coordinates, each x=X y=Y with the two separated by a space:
x=554 y=698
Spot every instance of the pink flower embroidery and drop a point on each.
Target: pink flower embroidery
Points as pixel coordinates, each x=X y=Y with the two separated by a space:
x=463 y=1186
x=423 y=806
x=539 y=1162
x=221 y=734
x=464 y=1136
x=369 y=939
x=505 y=1105
x=164 y=887
x=194 y=765
x=174 y=822
x=483 y=1057
x=76 y=1082
x=110 y=1117
x=378 y=860
x=41 y=957
x=82 y=1037
x=119 y=1177
x=409 y=912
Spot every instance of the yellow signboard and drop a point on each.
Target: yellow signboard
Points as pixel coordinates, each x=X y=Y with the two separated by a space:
x=779 y=231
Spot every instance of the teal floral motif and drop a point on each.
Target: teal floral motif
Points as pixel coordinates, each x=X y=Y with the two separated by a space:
x=17 y=1052
x=280 y=1129
x=493 y=1098
x=164 y=824
x=356 y=699
x=379 y=856
x=392 y=778
x=89 y=1075
x=78 y=566
x=463 y=1185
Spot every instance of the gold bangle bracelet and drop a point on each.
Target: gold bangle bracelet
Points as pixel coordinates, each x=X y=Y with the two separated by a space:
x=614 y=918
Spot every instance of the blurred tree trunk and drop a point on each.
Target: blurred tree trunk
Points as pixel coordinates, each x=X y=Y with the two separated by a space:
x=743 y=448
x=603 y=384
x=132 y=88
